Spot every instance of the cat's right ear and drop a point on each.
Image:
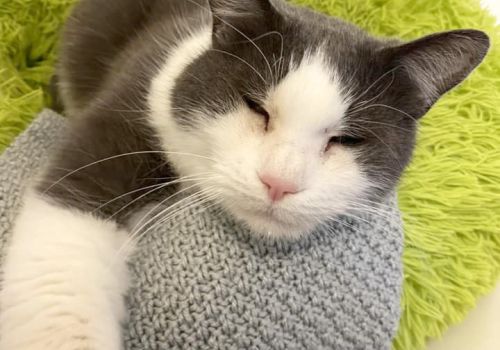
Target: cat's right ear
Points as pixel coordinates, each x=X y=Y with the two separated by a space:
x=436 y=63
x=241 y=20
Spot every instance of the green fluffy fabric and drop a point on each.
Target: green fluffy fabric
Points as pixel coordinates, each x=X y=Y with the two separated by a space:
x=450 y=195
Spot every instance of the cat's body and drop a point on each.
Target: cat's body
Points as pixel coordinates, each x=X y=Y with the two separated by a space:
x=284 y=117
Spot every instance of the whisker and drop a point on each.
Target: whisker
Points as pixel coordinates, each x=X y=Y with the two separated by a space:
x=325 y=224
x=242 y=60
x=126 y=110
x=237 y=31
x=157 y=187
x=121 y=156
x=385 y=124
x=393 y=153
x=136 y=233
x=277 y=72
x=135 y=228
x=364 y=103
x=203 y=198
x=361 y=209
x=391 y=108
x=125 y=195
x=137 y=238
x=376 y=82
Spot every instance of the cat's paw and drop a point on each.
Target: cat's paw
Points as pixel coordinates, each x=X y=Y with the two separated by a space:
x=42 y=317
x=63 y=288
x=63 y=331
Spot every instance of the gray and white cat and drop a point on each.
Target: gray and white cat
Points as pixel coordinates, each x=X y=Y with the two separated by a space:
x=284 y=117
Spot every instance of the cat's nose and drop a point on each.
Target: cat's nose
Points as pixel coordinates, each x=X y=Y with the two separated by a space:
x=277 y=188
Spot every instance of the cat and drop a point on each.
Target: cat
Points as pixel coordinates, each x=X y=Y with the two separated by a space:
x=282 y=116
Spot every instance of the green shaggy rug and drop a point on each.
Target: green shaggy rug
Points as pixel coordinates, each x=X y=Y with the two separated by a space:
x=450 y=195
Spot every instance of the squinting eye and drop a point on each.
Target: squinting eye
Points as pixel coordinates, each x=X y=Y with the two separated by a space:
x=345 y=140
x=257 y=108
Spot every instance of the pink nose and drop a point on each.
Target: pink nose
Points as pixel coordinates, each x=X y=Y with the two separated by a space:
x=277 y=188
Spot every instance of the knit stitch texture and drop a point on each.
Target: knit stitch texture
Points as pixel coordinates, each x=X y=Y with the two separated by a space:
x=201 y=281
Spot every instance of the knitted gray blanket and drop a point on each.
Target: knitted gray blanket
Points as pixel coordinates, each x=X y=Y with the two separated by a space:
x=201 y=281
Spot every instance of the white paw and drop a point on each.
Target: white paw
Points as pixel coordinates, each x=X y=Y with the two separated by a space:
x=64 y=282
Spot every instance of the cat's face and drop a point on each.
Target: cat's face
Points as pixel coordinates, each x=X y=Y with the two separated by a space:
x=291 y=118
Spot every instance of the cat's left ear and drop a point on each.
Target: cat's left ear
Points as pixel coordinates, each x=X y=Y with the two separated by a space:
x=437 y=63
x=239 y=20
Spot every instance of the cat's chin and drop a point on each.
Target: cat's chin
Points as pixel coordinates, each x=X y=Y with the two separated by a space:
x=274 y=226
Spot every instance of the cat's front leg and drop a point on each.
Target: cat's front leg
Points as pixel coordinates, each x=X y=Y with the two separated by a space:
x=64 y=280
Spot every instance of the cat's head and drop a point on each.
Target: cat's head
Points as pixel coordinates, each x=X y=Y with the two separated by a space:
x=289 y=118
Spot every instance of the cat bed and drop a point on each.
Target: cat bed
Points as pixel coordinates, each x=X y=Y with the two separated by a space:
x=449 y=197
x=202 y=281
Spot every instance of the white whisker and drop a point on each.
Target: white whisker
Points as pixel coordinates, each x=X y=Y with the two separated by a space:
x=121 y=156
x=239 y=32
x=242 y=60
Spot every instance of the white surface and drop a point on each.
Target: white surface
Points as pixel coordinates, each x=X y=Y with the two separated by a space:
x=493 y=6
x=480 y=331
x=481 y=328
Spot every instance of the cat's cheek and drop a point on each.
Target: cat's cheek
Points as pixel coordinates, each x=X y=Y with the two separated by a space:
x=235 y=135
x=341 y=176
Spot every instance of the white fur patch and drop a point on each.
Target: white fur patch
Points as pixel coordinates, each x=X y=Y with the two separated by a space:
x=309 y=97
x=64 y=281
x=306 y=109
x=161 y=89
